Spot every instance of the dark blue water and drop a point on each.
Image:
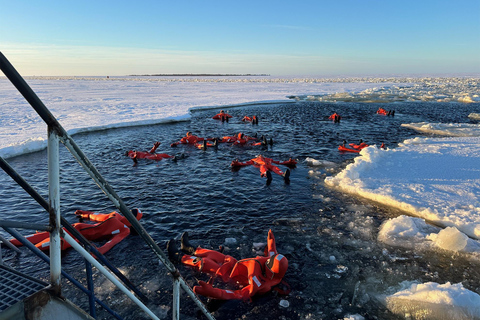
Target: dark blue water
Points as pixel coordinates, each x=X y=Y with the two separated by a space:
x=336 y=265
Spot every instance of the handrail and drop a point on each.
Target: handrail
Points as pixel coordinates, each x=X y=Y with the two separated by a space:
x=45 y=258
x=57 y=130
x=107 y=274
x=37 y=197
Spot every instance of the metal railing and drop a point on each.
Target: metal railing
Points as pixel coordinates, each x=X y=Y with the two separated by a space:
x=56 y=134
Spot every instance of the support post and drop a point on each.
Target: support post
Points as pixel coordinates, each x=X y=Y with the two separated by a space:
x=54 y=210
x=107 y=274
x=176 y=300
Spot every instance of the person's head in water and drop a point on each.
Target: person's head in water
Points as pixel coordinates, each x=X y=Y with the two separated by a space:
x=276 y=266
x=136 y=212
x=188 y=134
x=221 y=111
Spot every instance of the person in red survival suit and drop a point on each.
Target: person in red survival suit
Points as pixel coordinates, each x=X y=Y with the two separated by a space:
x=382 y=111
x=151 y=155
x=222 y=116
x=252 y=119
x=111 y=226
x=266 y=165
x=254 y=275
x=234 y=138
x=335 y=117
x=189 y=139
x=242 y=139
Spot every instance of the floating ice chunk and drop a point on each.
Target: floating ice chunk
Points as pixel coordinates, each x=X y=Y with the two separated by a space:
x=230 y=241
x=405 y=231
x=435 y=301
x=284 y=303
x=353 y=317
x=409 y=232
x=475 y=116
x=258 y=245
x=319 y=163
x=341 y=269
x=446 y=129
x=451 y=239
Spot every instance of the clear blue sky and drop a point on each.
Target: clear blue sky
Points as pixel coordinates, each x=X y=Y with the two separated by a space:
x=315 y=37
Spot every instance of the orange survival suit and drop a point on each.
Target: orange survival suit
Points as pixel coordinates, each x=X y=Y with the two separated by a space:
x=189 y=139
x=241 y=139
x=222 y=116
x=111 y=225
x=382 y=111
x=253 y=275
x=264 y=164
x=148 y=155
x=335 y=117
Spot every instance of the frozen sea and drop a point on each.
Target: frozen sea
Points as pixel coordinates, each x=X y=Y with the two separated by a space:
x=409 y=214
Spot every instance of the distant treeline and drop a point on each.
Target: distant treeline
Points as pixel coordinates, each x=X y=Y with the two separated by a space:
x=199 y=75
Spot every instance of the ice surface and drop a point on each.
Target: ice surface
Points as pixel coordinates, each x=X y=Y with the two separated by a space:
x=414 y=233
x=474 y=115
x=435 y=301
x=319 y=163
x=446 y=129
x=432 y=178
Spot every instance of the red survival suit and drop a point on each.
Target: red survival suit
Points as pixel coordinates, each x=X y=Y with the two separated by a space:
x=148 y=155
x=335 y=117
x=222 y=116
x=188 y=139
x=382 y=111
x=264 y=164
x=241 y=139
x=111 y=225
x=252 y=119
x=253 y=275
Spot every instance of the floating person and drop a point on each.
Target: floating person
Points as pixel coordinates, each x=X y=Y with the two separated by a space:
x=252 y=276
x=358 y=146
x=151 y=155
x=242 y=139
x=253 y=119
x=204 y=145
x=235 y=138
x=344 y=148
x=335 y=117
x=112 y=226
x=384 y=112
x=352 y=147
x=266 y=166
x=222 y=116
x=190 y=138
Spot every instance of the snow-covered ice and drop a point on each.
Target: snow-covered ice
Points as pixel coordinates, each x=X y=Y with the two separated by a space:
x=435 y=301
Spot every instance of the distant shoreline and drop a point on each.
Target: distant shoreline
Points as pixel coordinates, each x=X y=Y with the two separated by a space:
x=199 y=75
